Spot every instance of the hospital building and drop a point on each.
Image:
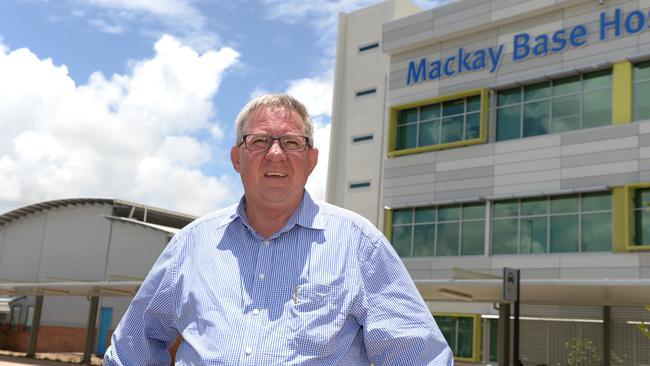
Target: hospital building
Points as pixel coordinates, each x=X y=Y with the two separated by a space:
x=484 y=135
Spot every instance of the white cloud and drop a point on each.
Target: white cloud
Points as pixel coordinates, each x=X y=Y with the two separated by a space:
x=190 y=190
x=323 y=15
x=315 y=93
x=217 y=132
x=258 y=91
x=103 y=26
x=317 y=182
x=177 y=9
x=184 y=150
x=180 y=17
x=128 y=136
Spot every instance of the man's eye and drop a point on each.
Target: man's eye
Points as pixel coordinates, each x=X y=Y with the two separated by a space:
x=261 y=140
x=292 y=143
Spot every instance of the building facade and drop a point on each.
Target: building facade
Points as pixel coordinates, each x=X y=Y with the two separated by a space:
x=507 y=134
x=70 y=265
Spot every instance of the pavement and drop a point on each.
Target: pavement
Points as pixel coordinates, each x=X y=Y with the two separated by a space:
x=22 y=361
x=43 y=359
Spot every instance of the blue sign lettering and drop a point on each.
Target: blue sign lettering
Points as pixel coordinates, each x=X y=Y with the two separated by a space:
x=578 y=36
x=635 y=22
x=615 y=23
x=525 y=46
x=421 y=70
x=521 y=49
x=496 y=58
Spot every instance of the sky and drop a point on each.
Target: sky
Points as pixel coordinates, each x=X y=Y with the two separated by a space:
x=135 y=99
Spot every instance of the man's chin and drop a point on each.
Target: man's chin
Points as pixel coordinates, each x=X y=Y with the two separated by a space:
x=281 y=196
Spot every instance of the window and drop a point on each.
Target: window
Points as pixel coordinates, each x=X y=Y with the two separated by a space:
x=29 y=319
x=15 y=315
x=494 y=339
x=567 y=223
x=439 y=123
x=566 y=104
x=449 y=230
x=360 y=185
x=361 y=93
x=635 y=223
x=361 y=138
x=641 y=217
x=642 y=90
x=462 y=333
x=369 y=47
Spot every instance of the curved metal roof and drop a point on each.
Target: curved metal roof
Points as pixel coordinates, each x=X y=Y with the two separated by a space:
x=48 y=205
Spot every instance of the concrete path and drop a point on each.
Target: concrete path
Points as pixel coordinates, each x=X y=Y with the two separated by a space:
x=21 y=361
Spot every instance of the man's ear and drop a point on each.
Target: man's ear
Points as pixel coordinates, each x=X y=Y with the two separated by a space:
x=234 y=157
x=313 y=159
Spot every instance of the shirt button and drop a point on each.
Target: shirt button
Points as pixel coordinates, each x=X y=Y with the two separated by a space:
x=256 y=311
x=262 y=276
x=249 y=350
x=267 y=243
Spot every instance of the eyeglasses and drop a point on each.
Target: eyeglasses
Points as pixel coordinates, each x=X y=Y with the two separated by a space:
x=287 y=142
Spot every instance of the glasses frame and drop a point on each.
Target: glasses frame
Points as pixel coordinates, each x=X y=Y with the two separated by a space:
x=308 y=143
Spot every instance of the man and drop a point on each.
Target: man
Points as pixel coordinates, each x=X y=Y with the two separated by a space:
x=280 y=278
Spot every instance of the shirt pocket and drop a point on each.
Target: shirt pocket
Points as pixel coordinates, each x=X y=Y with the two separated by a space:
x=316 y=317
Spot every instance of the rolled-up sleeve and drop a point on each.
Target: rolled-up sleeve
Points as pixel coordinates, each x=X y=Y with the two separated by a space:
x=148 y=327
x=398 y=328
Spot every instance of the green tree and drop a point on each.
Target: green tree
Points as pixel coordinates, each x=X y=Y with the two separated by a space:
x=583 y=352
x=643 y=327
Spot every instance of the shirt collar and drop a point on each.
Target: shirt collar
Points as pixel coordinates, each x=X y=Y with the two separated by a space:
x=308 y=215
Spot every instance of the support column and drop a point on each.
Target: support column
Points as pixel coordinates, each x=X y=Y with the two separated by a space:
x=515 y=343
x=36 y=326
x=90 y=329
x=503 y=351
x=606 y=330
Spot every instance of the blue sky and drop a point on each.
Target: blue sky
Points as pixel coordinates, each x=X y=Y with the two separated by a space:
x=134 y=99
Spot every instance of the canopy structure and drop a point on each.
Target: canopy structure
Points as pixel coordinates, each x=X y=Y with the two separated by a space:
x=548 y=291
x=107 y=288
x=5 y=303
x=539 y=292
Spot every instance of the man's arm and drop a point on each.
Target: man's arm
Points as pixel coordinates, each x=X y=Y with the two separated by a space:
x=398 y=328
x=147 y=329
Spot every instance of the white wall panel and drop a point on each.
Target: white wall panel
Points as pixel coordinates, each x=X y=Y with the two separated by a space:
x=600 y=169
x=21 y=251
x=528 y=155
x=65 y=311
x=464 y=163
x=134 y=249
x=76 y=240
x=603 y=145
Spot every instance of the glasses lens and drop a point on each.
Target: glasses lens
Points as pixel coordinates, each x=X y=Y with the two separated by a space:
x=287 y=142
x=258 y=142
x=293 y=143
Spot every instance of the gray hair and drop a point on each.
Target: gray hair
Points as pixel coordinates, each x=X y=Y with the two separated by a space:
x=273 y=100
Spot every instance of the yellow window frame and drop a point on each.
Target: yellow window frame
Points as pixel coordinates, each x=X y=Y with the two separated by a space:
x=388 y=223
x=622 y=92
x=628 y=222
x=476 y=334
x=483 y=130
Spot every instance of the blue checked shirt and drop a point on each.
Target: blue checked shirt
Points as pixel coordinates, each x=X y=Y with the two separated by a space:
x=327 y=289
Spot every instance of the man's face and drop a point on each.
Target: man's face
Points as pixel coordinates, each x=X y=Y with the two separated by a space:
x=274 y=176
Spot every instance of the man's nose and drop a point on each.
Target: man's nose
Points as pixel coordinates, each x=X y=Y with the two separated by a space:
x=275 y=151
